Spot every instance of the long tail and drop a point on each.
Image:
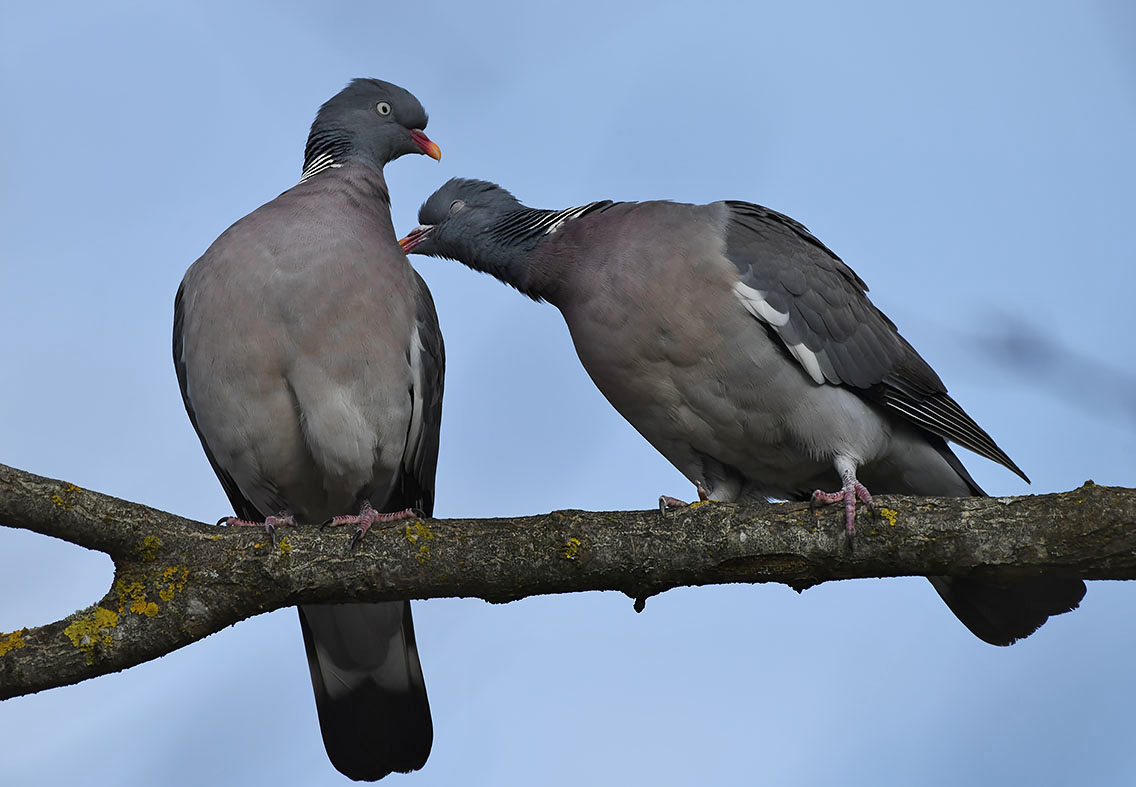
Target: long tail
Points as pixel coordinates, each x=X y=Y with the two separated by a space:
x=369 y=688
x=1002 y=612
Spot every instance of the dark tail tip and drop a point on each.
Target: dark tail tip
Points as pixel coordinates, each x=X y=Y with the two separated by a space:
x=1002 y=612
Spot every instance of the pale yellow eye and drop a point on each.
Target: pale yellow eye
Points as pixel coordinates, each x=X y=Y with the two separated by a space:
x=383 y=108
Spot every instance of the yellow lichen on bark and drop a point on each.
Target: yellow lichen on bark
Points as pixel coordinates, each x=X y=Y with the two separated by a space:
x=12 y=641
x=91 y=632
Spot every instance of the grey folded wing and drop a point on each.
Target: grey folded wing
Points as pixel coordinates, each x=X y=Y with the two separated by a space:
x=819 y=310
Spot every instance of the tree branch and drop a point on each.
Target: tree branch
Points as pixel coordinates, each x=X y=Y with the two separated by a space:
x=177 y=581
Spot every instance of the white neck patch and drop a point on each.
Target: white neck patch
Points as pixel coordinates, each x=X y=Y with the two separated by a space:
x=318 y=165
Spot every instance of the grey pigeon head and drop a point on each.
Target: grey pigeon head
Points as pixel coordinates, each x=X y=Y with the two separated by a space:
x=484 y=227
x=371 y=121
x=458 y=218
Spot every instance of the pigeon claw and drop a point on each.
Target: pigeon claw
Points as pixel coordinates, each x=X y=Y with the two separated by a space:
x=367 y=517
x=356 y=538
x=269 y=524
x=703 y=492
x=668 y=503
x=852 y=491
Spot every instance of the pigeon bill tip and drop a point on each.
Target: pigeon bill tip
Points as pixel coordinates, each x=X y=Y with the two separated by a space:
x=414 y=237
x=425 y=144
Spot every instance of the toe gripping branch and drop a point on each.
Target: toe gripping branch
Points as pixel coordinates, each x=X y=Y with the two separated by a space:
x=367 y=517
x=668 y=503
x=852 y=490
x=269 y=524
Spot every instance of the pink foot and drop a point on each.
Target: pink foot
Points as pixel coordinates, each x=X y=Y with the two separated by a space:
x=852 y=489
x=668 y=503
x=269 y=524
x=703 y=494
x=366 y=517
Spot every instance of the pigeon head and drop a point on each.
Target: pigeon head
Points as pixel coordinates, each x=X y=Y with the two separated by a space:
x=459 y=218
x=484 y=227
x=369 y=120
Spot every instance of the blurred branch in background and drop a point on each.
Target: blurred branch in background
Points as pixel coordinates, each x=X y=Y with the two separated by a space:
x=177 y=581
x=1021 y=347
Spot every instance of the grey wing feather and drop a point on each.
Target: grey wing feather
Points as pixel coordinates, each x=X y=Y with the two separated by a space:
x=820 y=303
x=242 y=506
x=428 y=367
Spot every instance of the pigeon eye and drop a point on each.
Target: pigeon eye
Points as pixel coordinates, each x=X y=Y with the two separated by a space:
x=383 y=108
x=456 y=205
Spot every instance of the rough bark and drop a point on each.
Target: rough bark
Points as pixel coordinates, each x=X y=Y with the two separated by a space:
x=177 y=581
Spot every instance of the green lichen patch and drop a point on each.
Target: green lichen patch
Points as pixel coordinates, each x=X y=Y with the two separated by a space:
x=135 y=595
x=419 y=530
x=419 y=533
x=92 y=633
x=132 y=596
x=10 y=642
x=66 y=496
x=571 y=549
x=148 y=549
x=172 y=582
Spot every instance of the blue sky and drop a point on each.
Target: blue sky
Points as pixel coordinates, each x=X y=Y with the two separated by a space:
x=972 y=161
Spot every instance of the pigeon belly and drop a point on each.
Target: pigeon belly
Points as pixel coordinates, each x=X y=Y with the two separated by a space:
x=319 y=427
x=707 y=385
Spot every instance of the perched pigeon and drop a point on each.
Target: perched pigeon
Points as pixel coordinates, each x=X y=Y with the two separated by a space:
x=747 y=353
x=311 y=362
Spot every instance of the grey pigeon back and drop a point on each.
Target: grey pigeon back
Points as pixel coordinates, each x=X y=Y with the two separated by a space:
x=747 y=353
x=311 y=365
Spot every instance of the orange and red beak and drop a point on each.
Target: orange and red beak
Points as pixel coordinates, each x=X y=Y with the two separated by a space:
x=415 y=237
x=425 y=144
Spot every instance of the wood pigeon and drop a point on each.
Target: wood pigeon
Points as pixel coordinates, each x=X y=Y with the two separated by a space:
x=311 y=363
x=747 y=353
